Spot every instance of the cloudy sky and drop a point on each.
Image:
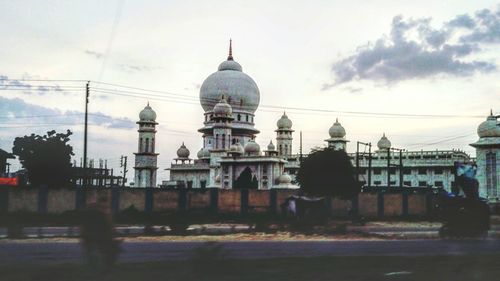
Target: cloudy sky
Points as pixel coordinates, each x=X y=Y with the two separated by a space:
x=424 y=72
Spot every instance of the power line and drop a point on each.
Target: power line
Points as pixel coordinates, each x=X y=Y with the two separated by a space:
x=194 y=100
x=40 y=116
x=42 y=80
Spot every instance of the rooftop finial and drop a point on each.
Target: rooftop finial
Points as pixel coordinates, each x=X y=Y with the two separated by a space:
x=230 y=57
x=491 y=111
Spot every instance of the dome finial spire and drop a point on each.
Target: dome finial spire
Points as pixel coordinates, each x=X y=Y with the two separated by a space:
x=230 y=57
x=491 y=111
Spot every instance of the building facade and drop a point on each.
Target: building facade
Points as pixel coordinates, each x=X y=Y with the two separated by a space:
x=384 y=168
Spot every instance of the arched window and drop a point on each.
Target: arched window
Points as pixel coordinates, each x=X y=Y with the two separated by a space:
x=153 y=145
x=234 y=141
x=216 y=141
x=140 y=144
x=239 y=117
x=147 y=145
x=286 y=149
x=223 y=141
x=246 y=117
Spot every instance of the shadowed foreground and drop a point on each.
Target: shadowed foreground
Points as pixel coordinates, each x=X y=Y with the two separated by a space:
x=202 y=267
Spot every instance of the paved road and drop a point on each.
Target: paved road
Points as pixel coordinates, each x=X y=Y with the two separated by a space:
x=53 y=252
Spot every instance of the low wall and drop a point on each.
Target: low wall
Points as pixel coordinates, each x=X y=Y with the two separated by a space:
x=54 y=201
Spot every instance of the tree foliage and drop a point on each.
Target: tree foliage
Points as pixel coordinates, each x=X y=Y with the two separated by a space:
x=46 y=158
x=328 y=172
x=246 y=181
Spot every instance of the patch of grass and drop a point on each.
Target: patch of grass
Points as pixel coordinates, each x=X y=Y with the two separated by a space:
x=456 y=268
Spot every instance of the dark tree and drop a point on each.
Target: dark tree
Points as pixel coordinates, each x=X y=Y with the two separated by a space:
x=255 y=183
x=328 y=172
x=47 y=158
x=245 y=180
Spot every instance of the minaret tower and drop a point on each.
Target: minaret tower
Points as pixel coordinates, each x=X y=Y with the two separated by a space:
x=284 y=136
x=146 y=158
x=488 y=157
x=337 y=139
x=222 y=119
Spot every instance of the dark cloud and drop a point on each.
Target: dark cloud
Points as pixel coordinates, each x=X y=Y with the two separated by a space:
x=487 y=29
x=94 y=54
x=27 y=88
x=464 y=21
x=414 y=50
x=17 y=111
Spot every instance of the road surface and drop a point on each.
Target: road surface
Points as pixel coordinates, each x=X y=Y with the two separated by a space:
x=70 y=252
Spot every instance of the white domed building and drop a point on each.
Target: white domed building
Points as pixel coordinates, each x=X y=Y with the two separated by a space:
x=488 y=157
x=229 y=98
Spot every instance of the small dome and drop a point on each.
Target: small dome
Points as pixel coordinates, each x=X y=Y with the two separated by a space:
x=384 y=143
x=200 y=153
x=183 y=152
x=252 y=147
x=271 y=147
x=147 y=114
x=203 y=153
x=222 y=108
x=284 y=122
x=489 y=128
x=236 y=148
x=336 y=130
x=229 y=65
x=284 y=179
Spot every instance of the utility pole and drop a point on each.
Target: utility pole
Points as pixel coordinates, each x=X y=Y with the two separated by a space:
x=400 y=166
x=401 y=169
x=357 y=161
x=123 y=163
x=388 y=169
x=369 y=160
x=87 y=92
x=300 y=149
x=369 y=164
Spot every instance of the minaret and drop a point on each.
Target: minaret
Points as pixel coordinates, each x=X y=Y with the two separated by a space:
x=284 y=136
x=488 y=157
x=222 y=119
x=146 y=158
x=337 y=139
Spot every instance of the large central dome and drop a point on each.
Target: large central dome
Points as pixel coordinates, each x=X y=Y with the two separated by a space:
x=239 y=89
